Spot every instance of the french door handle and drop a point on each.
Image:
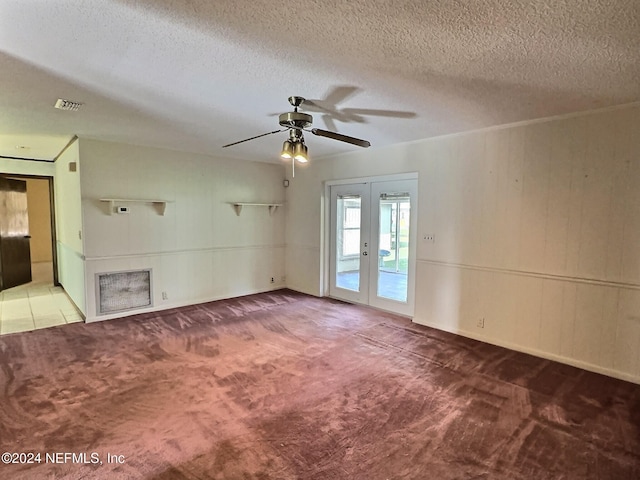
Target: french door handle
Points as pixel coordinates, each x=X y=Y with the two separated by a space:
x=365 y=253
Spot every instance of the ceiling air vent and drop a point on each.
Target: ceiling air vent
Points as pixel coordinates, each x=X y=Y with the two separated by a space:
x=67 y=105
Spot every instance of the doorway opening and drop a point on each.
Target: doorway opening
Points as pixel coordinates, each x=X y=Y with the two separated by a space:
x=372 y=243
x=27 y=231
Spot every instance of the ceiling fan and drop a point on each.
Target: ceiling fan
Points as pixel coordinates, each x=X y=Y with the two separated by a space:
x=332 y=112
x=297 y=122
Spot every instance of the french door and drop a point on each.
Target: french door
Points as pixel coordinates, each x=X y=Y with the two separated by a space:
x=372 y=248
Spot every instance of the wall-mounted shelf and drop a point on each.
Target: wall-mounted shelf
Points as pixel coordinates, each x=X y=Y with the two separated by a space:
x=160 y=205
x=238 y=206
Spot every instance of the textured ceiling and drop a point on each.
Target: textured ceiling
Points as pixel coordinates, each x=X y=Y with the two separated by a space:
x=195 y=75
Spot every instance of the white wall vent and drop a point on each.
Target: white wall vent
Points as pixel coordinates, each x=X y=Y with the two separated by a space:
x=123 y=291
x=68 y=105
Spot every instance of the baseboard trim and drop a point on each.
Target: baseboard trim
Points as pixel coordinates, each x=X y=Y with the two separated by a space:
x=535 y=352
x=185 y=303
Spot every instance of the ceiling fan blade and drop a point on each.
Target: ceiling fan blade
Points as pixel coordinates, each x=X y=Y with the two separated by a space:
x=253 y=138
x=342 y=138
x=379 y=113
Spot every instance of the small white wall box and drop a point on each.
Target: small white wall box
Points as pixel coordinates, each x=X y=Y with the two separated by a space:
x=122 y=209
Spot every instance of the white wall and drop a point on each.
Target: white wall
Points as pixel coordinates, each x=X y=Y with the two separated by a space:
x=200 y=250
x=69 y=229
x=536 y=231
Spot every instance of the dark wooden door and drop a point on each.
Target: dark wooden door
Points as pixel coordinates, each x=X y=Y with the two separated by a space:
x=15 y=252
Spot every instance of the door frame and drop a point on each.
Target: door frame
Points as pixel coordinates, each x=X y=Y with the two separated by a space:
x=52 y=211
x=383 y=303
x=362 y=294
x=325 y=230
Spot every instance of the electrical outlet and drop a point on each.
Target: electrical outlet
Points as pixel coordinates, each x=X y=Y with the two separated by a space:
x=165 y=296
x=480 y=323
x=429 y=237
x=272 y=280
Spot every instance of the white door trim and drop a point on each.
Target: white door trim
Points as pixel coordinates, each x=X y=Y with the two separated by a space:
x=325 y=227
x=411 y=187
x=363 y=190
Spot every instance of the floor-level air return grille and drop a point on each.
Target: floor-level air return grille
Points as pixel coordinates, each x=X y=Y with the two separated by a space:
x=122 y=291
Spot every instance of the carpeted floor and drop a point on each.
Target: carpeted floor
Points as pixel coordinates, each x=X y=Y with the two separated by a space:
x=286 y=386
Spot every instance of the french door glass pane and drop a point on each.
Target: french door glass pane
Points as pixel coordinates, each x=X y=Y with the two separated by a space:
x=393 y=242
x=348 y=242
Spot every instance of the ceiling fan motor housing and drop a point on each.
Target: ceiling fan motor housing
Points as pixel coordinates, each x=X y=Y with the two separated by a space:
x=295 y=120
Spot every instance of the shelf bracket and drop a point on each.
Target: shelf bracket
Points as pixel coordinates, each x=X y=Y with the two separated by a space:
x=237 y=206
x=159 y=205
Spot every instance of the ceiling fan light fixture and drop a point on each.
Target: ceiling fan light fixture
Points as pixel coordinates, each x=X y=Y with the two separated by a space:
x=287 y=150
x=300 y=152
x=296 y=122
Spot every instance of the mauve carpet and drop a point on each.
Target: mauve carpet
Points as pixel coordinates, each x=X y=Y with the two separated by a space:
x=286 y=386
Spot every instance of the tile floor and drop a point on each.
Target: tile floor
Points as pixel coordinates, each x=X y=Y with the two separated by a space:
x=37 y=304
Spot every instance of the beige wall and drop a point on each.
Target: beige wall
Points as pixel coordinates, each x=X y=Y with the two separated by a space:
x=536 y=231
x=71 y=268
x=39 y=219
x=199 y=250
